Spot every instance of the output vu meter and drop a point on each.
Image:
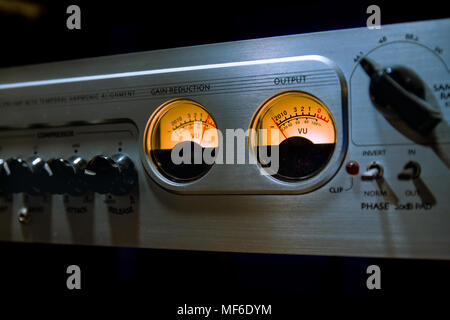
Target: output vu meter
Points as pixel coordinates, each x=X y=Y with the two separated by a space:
x=305 y=134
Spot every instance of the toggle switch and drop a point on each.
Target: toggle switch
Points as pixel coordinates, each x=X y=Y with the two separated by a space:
x=410 y=171
x=374 y=171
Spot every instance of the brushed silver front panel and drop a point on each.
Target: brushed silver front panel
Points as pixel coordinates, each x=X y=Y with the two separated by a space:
x=234 y=207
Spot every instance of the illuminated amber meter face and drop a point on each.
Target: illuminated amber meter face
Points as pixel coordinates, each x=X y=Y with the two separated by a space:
x=300 y=128
x=178 y=127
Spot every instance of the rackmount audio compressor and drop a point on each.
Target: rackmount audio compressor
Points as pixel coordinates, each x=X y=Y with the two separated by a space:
x=330 y=143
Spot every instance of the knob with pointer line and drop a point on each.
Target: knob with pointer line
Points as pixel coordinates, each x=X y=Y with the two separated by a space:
x=398 y=91
x=2 y=177
x=40 y=176
x=67 y=176
x=15 y=176
x=115 y=175
x=409 y=105
x=76 y=185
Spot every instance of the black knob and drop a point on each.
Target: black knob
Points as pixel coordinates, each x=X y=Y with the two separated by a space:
x=114 y=175
x=2 y=177
x=76 y=184
x=40 y=176
x=16 y=176
x=400 y=92
x=127 y=174
x=101 y=174
x=61 y=173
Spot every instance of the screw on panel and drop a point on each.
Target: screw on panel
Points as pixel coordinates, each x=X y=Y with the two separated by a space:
x=24 y=217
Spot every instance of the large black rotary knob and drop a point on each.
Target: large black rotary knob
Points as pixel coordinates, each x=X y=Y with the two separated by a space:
x=76 y=184
x=16 y=176
x=115 y=175
x=399 y=91
x=66 y=176
x=101 y=174
x=39 y=177
x=62 y=172
x=2 y=176
x=127 y=174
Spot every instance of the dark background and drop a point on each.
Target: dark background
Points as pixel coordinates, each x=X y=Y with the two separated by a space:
x=113 y=27
x=164 y=278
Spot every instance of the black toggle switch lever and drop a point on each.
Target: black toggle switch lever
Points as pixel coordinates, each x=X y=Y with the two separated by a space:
x=410 y=171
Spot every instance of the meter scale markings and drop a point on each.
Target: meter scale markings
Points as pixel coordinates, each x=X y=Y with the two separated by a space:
x=306 y=134
x=181 y=126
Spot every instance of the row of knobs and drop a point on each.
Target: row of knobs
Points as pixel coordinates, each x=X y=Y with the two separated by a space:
x=75 y=176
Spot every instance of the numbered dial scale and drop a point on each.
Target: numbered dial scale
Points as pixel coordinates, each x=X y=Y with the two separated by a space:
x=181 y=140
x=300 y=128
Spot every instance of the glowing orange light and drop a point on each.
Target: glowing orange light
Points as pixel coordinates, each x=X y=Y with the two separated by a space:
x=294 y=113
x=179 y=121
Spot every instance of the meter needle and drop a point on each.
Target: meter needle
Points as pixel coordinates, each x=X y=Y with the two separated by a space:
x=279 y=128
